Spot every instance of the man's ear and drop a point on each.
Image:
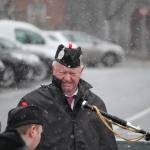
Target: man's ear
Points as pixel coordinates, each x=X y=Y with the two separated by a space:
x=31 y=131
x=52 y=67
x=82 y=69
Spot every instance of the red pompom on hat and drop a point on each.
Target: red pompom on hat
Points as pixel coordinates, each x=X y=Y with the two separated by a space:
x=70 y=46
x=24 y=104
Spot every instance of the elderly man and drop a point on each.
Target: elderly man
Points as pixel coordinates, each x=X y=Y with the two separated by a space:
x=67 y=126
x=24 y=128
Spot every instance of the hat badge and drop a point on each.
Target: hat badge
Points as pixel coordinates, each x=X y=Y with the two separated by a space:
x=61 y=53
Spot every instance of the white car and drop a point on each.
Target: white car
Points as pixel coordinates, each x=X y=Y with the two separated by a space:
x=26 y=33
x=94 y=50
x=29 y=35
x=31 y=39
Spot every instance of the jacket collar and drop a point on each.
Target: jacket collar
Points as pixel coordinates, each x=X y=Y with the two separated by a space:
x=57 y=82
x=14 y=136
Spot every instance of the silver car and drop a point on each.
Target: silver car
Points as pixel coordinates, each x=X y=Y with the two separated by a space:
x=94 y=50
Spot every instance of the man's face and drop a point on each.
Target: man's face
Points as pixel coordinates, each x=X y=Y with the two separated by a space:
x=69 y=77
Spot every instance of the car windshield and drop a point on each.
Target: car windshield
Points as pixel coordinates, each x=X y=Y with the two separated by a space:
x=53 y=38
x=82 y=38
x=78 y=38
x=28 y=37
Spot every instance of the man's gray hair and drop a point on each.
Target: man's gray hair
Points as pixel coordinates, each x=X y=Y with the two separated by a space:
x=54 y=64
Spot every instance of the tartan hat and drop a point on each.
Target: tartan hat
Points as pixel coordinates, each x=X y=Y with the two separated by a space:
x=69 y=57
x=21 y=116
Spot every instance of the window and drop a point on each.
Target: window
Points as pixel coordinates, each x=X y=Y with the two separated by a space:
x=82 y=38
x=28 y=37
x=68 y=37
x=53 y=38
x=78 y=38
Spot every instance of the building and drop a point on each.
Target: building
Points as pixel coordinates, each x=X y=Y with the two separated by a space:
x=43 y=13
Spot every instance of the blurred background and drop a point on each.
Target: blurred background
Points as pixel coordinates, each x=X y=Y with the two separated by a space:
x=113 y=34
x=120 y=21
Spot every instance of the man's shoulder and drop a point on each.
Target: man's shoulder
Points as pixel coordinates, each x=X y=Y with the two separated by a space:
x=36 y=94
x=94 y=95
x=96 y=100
x=40 y=97
x=40 y=93
x=40 y=89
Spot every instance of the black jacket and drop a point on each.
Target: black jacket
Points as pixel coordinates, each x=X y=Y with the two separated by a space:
x=65 y=129
x=11 y=140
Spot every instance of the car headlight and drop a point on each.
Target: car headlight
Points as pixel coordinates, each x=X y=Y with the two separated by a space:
x=34 y=58
x=50 y=55
x=18 y=56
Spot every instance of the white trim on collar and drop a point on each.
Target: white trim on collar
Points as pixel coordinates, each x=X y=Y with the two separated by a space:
x=75 y=93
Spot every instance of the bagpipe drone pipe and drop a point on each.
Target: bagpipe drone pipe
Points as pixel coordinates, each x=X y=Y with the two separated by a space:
x=105 y=117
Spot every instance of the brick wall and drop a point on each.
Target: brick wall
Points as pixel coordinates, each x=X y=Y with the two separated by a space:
x=55 y=12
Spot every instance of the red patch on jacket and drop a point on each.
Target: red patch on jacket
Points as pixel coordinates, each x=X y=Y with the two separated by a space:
x=24 y=104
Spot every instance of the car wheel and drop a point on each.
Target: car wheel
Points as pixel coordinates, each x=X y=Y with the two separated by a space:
x=9 y=77
x=40 y=72
x=110 y=59
x=29 y=73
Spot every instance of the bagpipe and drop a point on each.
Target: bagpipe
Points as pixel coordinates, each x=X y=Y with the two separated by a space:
x=105 y=117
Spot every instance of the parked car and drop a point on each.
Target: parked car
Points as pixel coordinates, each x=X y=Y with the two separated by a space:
x=2 y=69
x=57 y=38
x=94 y=49
x=19 y=65
x=45 y=55
x=25 y=33
x=31 y=39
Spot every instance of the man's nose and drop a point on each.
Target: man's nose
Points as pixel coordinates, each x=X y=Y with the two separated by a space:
x=67 y=77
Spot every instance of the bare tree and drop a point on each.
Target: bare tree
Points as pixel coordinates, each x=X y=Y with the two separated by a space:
x=88 y=15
